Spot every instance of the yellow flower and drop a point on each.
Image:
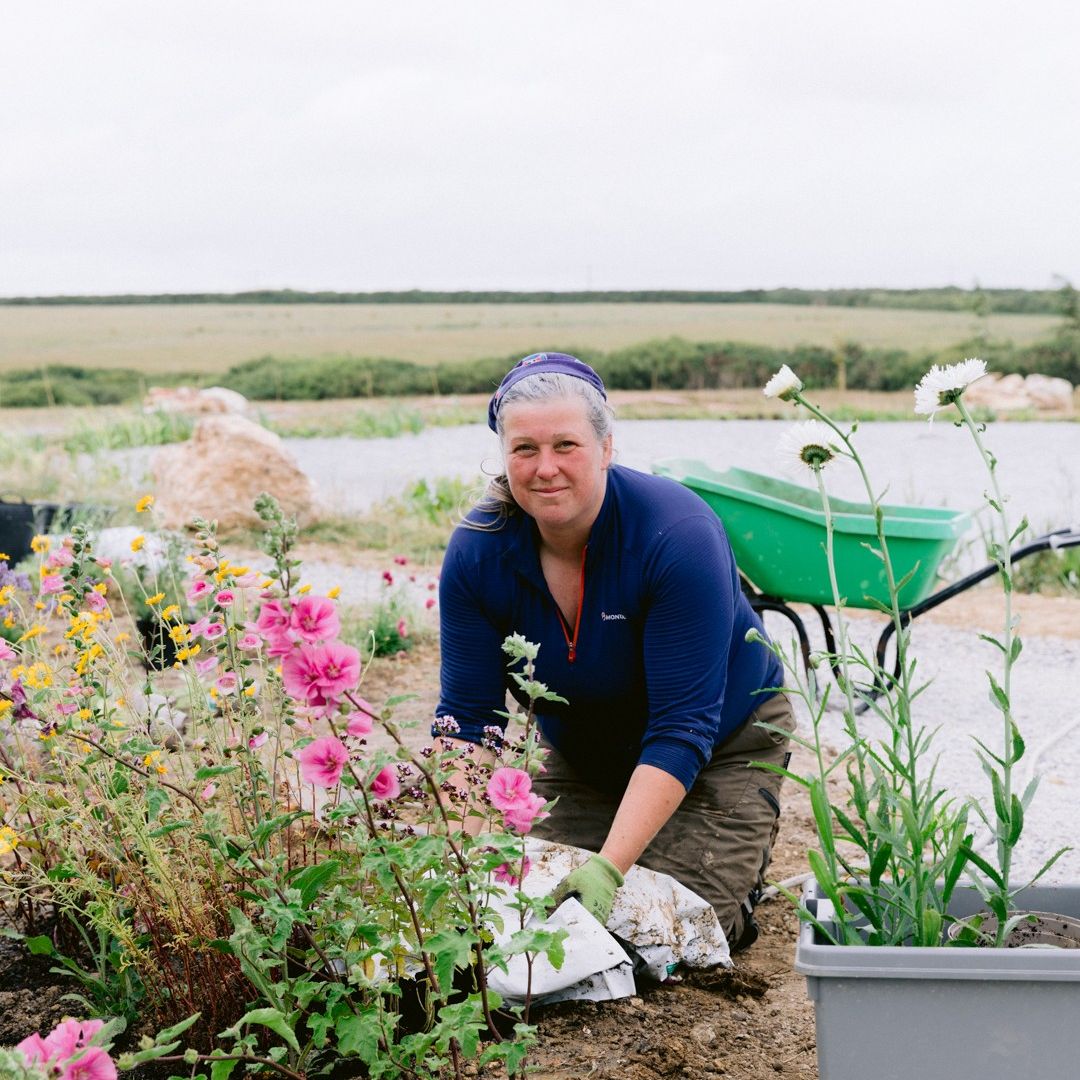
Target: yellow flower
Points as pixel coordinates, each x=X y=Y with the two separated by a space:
x=39 y=676
x=239 y=571
x=151 y=761
x=60 y=649
x=101 y=587
x=171 y=611
x=180 y=633
x=33 y=632
x=189 y=652
x=144 y=504
x=9 y=621
x=85 y=714
x=304 y=590
x=6 y=594
x=137 y=543
x=334 y=593
x=9 y=839
x=249 y=691
x=120 y=703
x=122 y=637
x=40 y=544
x=153 y=601
x=5 y=556
x=39 y=605
x=5 y=705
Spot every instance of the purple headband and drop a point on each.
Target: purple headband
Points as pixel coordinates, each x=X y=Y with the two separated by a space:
x=542 y=363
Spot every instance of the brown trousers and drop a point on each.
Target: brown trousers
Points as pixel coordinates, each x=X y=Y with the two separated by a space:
x=718 y=841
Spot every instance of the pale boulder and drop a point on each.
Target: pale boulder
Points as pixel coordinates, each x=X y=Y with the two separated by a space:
x=218 y=473
x=1010 y=393
x=209 y=401
x=1050 y=393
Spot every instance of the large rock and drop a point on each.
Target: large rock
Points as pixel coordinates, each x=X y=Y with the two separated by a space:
x=1009 y=393
x=220 y=470
x=210 y=401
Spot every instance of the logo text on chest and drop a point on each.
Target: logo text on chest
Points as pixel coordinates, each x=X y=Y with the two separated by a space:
x=608 y=618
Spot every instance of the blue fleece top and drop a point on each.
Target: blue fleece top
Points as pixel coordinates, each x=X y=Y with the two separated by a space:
x=662 y=672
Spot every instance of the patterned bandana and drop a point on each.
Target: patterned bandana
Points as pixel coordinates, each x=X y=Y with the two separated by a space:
x=539 y=363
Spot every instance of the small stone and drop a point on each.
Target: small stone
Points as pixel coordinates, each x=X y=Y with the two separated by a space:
x=705 y=1034
x=637 y=1003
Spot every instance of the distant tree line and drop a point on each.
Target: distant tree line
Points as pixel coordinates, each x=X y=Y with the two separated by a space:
x=670 y=364
x=978 y=301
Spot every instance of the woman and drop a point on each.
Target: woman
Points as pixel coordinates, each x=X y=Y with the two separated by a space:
x=628 y=583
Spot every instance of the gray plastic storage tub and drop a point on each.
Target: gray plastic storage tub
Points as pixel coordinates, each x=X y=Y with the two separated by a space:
x=896 y=1013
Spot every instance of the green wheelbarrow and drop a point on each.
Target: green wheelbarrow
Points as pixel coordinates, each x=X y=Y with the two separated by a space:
x=777 y=532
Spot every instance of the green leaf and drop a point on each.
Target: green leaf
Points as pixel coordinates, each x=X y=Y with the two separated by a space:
x=274 y=1019
x=207 y=772
x=973 y=856
x=157 y=798
x=877 y=867
x=170 y=1033
x=931 y=927
x=358 y=1035
x=1016 y=822
x=449 y=949
x=1014 y=652
x=222 y=1070
x=40 y=946
x=998 y=696
x=311 y=879
x=164 y=830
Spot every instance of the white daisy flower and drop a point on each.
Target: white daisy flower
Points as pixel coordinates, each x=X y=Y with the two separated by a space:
x=808 y=445
x=942 y=386
x=783 y=384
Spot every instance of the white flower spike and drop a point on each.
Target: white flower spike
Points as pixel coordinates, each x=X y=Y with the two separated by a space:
x=942 y=386
x=783 y=384
x=808 y=445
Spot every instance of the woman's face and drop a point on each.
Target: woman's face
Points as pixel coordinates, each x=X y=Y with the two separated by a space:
x=555 y=463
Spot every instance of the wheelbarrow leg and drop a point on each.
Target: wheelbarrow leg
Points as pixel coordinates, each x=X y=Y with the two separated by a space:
x=761 y=603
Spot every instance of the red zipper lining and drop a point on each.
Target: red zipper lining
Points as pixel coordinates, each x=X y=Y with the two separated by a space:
x=571 y=642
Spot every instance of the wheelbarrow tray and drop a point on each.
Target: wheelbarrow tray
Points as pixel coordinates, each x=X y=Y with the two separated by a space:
x=777 y=532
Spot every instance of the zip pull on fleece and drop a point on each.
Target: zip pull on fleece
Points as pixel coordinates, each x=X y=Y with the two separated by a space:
x=571 y=642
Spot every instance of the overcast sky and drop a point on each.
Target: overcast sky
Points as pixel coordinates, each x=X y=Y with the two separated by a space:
x=679 y=144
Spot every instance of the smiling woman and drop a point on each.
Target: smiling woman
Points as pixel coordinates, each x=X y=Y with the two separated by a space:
x=628 y=583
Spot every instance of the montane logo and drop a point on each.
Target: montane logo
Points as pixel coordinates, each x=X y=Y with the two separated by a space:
x=607 y=618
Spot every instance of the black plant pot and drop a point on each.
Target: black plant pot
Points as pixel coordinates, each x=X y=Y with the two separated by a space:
x=159 y=650
x=16 y=529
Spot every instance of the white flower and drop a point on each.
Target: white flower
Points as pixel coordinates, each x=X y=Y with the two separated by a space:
x=783 y=384
x=808 y=445
x=942 y=386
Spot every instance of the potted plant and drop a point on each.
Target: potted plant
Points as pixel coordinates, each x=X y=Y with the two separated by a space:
x=903 y=895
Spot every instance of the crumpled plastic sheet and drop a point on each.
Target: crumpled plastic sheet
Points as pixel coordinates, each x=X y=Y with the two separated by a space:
x=656 y=925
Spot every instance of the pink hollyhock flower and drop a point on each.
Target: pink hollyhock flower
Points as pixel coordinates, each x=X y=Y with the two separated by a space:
x=51 y=583
x=209 y=791
x=33 y=1049
x=508 y=788
x=279 y=644
x=323 y=761
x=7 y=652
x=214 y=631
x=198 y=627
x=258 y=740
x=400 y=560
x=523 y=816
x=67 y=709
x=273 y=618
x=429 y=603
x=227 y=683
x=508 y=874
x=431 y=586
x=199 y=588
x=248 y=581
x=249 y=642
x=402 y=628
x=225 y=597
x=387 y=577
x=95 y=601
x=340 y=668
x=94 y=1064
x=104 y=563
x=71 y=1036
x=60 y=557
x=386 y=784
x=315 y=618
x=205 y=666
x=359 y=724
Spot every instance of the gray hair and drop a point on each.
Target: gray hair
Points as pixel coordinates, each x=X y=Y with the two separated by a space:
x=497 y=499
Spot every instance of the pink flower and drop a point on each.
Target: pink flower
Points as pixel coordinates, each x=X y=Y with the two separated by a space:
x=198 y=628
x=315 y=618
x=94 y=1064
x=386 y=784
x=225 y=597
x=387 y=577
x=7 y=652
x=359 y=724
x=400 y=560
x=315 y=672
x=429 y=603
x=273 y=618
x=279 y=644
x=95 y=601
x=205 y=666
x=104 y=563
x=248 y=581
x=199 y=588
x=431 y=586
x=67 y=709
x=508 y=788
x=323 y=761
x=71 y=1036
x=508 y=874
x=214 y=631
x=249 y=642
x=60 y=557
x=33 y=1049
x=51 y=583
x=209 y=791
x=227 y=683
x=258 y=740
x=402 y=628
x=522 y=817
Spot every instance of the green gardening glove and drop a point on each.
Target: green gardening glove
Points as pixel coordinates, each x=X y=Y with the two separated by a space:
x=594 y=884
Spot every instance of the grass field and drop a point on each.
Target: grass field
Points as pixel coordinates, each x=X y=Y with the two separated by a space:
x=211 y=337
